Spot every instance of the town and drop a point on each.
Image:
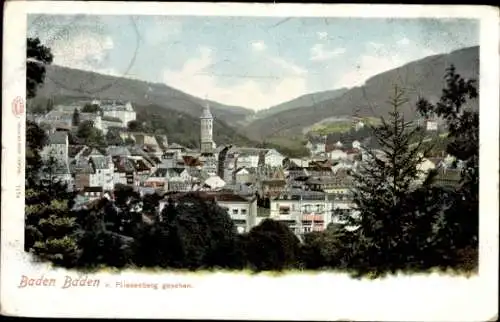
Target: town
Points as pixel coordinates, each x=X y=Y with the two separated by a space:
x=251 y=184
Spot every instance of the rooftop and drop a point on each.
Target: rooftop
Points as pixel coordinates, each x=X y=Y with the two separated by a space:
x=58 y=137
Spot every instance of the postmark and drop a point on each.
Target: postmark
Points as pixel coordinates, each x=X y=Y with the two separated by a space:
x=18 y=107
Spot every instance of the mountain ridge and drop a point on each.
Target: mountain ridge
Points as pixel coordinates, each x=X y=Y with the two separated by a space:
x=69 y=82
x=423 y=77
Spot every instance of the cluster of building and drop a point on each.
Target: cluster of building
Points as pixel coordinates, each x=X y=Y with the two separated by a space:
x=113 y=114
x=307 y=194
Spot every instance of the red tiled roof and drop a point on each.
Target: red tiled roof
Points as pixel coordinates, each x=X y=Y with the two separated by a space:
x=191 y=161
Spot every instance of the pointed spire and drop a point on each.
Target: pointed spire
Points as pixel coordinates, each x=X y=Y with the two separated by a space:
x=206 y=111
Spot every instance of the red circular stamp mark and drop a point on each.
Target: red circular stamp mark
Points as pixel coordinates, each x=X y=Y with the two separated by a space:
x=18 y=106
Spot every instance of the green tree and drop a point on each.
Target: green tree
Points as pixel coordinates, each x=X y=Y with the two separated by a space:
x=89 y=134
x=383 y=216
x=462 y=220
x=38 y=57
x=91 y=108
x=191 y=233
x=76 y=117
x=50 y=228
x=99 y=245
x=113 y=137
x=326 y=249
x=272 y=246
x=36 y=139
x=135 y=126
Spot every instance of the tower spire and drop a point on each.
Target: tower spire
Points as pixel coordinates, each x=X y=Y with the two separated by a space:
x=206 y=111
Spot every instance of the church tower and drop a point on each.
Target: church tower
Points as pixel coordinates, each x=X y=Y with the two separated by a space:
x=206 y=121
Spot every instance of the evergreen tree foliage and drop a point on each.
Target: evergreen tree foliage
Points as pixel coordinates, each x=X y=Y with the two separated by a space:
x=383 y=219
x=76 y=117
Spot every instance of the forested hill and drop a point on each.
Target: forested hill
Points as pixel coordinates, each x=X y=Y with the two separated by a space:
x=184 y=129
x=68 y=82
x=423 y=77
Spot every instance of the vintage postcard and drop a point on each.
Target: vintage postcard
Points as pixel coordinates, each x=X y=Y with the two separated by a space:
x=250 y=161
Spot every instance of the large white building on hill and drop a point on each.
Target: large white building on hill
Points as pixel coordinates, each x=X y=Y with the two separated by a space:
x=123 y=111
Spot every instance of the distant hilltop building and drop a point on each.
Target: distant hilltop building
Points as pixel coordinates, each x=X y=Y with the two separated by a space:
x=207 y=144
x=123 y=111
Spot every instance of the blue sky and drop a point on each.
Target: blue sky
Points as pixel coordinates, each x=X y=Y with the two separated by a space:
x=255 y=62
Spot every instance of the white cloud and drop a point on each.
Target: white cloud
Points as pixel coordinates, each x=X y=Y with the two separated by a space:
x=322 y=35
x=319 y=53
x=249 y=93
x=258 y=46
x=86 y=51
x=404 y=41
x=288 y=66
x=375 y=45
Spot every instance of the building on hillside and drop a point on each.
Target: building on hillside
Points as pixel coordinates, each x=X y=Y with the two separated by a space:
x=247 y=159
x=124 y=170
x=273 y=158
x=57 y=147
x=272 y=187
x=244 y=175
x=120 y=110
x=316 y=145
x=81 y=170
x=103 y=172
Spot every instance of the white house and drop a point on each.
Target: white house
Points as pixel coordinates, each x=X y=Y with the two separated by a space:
x=57 y=147
x=359 y=125
x=242 y=175
x=356 y=144
x=316 y=147
x=215 y=182
x=247 y=160
x=273 y=158
x=424 y=167
x=123 y=111
x=242 y=211
x=337 y=154
x=103 y=175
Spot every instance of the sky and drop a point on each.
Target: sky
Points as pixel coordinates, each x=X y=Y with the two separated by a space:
x=253 y=62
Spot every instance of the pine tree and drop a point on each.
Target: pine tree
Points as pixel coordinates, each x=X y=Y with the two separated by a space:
x=76 y=117
x=382 y=216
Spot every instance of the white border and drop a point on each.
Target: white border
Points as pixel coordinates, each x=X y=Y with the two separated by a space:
x=320 y=296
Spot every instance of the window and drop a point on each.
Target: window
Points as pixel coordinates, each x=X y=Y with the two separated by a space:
x=243 y=211
x=284 y=210
x=235 y=211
